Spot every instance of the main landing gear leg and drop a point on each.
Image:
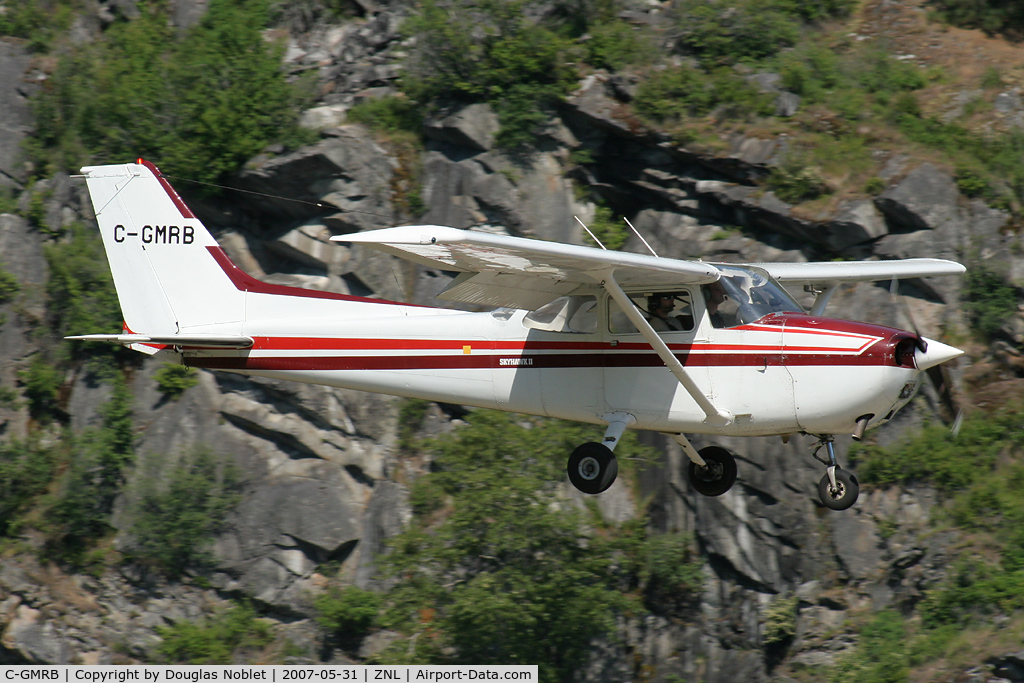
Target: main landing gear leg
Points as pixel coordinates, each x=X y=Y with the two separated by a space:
x=838 y=489
x=592 y=467
x=711 y=471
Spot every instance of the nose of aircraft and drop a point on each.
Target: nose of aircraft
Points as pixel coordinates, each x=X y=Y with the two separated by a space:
x=936 y=353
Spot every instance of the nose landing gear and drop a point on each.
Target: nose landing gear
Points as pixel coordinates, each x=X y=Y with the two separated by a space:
x=838 y=489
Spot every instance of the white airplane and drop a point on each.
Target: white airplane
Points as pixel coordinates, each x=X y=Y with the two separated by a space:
x=579 y=333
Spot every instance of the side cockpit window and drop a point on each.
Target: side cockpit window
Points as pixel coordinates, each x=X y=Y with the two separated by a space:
x=576 y=314
x=665 y=311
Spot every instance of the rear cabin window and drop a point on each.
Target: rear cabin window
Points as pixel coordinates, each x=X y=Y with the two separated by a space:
x=576 y=314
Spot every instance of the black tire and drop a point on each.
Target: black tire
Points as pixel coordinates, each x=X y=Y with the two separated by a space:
x=719 y=475
x=592 y=468
x=846 y=493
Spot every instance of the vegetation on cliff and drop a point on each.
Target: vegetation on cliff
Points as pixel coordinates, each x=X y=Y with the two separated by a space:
x=501 y=567
x=201 y=104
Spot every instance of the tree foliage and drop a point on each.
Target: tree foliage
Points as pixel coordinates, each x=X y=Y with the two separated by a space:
x=988 y=299
x=991 y=16
x=510 y=572
x=173 y=380
x=218 y=640
x=26 y=469
x=494 y=51
x=99 y=460
x=177 y=515
x=199 y=105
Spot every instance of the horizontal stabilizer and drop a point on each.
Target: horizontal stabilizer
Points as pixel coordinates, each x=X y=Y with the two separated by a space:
x=191 y=341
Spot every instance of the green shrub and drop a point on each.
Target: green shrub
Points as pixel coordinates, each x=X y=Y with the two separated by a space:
x=504 y=549
x=727 y=31
x=411 y=413
x=492 y=51
x=173 y=380
x=780 y=622
x=794 y=182
x=811 y=71
x=676 y=93
x=178 y=514
x=989 y=300
x=874 y=185
x=80 y=297
x=610 y=229
x=971 y=182
x=36 y=21
x=42 y=382
x=99 y=460
x=991 y=16
x=26 y=470
x=389 y=114
x=992 y=78
x=9 y=286
x=347 y=613
x=878 y=72
x=615 y=44
x=221 y=640
x=199 y=104
x=672 y=570
x=881 y=654
x=937 y=457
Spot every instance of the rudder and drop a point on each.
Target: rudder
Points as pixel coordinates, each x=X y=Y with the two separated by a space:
x=166 y=278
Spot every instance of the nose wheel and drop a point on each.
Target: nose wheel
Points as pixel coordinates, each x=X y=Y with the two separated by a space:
x=592 y=468
x=838 y=489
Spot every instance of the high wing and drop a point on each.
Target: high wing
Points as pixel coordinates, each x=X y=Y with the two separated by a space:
x=498 y=270
x=838 y=272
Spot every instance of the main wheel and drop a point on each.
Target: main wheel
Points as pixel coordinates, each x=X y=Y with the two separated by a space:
x=717 y=476
x=844 y=495
x=592 y=468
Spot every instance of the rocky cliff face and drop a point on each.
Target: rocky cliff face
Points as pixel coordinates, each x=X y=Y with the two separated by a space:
x=323 y=483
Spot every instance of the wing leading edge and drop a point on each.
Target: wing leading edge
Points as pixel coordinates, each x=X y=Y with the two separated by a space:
x=839 y=272
x=498 y=270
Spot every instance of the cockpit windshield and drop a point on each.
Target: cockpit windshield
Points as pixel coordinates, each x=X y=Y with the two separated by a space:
x=744 y=295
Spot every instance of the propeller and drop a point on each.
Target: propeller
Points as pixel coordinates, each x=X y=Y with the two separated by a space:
x=949 y=410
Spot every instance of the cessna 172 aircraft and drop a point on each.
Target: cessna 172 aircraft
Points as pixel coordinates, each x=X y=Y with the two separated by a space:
x=580 y=333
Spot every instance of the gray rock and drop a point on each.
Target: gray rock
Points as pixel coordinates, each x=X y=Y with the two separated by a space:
x=787 y=104
x=15 y=116
x=855 y=222
x=386 y=515
x=1009 y=666
x=187 y=13
x=473 y=126
x=36 y=639
x=857 y=545
x=347 y=171
x=925 y=200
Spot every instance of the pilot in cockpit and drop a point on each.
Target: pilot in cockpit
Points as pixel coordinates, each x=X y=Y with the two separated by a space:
x=660 y=307
x=714 y=297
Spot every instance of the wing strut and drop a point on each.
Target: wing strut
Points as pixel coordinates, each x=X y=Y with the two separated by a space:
x=715 y=416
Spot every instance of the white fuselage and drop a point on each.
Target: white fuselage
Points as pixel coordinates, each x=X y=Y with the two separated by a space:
x=779 y=376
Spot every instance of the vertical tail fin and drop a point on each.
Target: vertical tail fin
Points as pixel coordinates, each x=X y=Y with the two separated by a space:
x=161 y=256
